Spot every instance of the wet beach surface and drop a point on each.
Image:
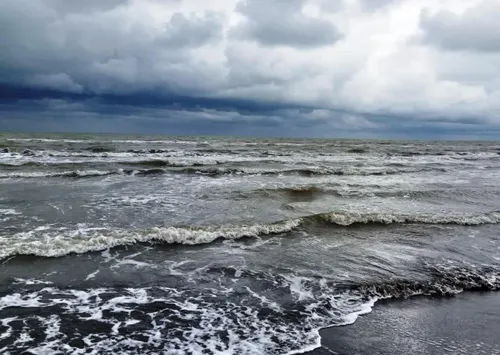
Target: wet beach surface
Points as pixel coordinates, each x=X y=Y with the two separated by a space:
x=466 y=324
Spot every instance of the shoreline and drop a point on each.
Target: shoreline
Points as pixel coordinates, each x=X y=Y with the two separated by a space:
x=468 y=323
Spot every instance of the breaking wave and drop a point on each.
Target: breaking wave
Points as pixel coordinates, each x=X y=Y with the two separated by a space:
x=63 y=174
x=445 y=281
x=346 y=219
x=316 y=171
x=75 y=174
x=212 y=169
x=56 y=243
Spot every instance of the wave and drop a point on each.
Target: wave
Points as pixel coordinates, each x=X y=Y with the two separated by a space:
x=296 y=193
x=154 y=163
x=55 y=243
x=78 y=174
x=445 y=281
x=157 y=163
x=358 y=150
x=310 y=192
x=95 y=141
x=346 y=219
x=456 y=155
x=308 y=172
x=58 y=243
x=63 y=174
x=100 y=149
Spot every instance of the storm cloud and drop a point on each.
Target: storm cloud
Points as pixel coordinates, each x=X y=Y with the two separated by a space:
x=284 y=24
x=284 y=67
x=476 y=29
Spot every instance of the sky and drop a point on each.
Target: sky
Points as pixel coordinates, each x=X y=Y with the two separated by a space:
x=287 y=68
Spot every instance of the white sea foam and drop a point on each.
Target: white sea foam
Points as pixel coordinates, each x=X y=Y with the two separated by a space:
x=18 y=280
x=248 y=331
x=221 y=320
x=92 y=275
x=300 y=291
x=7 y=214
x=131 y=262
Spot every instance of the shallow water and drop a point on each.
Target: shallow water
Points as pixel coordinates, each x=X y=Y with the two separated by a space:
x=231 y=246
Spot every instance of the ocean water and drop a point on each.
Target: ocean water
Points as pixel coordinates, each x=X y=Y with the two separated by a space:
x=134 y=244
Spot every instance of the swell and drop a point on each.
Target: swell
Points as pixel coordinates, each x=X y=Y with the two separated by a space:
x=151 y=163
x=62 y=174
x=163 y=167
x=81 y=174
x=55 y=243
x=307 y=172
x=352 y=191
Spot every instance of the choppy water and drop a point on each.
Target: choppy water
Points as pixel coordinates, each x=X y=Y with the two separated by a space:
x=121 y=244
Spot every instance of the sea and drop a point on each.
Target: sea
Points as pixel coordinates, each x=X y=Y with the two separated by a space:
x=115 y=244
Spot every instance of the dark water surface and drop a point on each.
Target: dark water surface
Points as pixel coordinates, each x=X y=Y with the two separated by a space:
x=133 y=244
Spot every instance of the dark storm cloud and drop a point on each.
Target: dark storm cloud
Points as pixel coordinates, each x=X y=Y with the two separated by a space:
x=282 y=23
x=54 y=115
x=477 y=29
x=44 y=46
x=192 y=31
x=240 y=67
x=83 y=6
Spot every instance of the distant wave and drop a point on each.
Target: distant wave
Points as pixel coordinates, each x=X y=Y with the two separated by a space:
x=60 y=242
x=97 y=141
x=79 y=174
x=207 y=170
x=156 y=163
x=63 y=174
x=309 y=192
x=314 y=171
x=100 y=149
x=457 y=155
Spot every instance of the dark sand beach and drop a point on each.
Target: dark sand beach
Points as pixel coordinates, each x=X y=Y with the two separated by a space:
x=466 y=324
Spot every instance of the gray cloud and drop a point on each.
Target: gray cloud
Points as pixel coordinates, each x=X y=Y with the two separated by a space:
x=101 y=49
x=88 y=6
x=266 y=67
x=192 y=31
x=477 y=29
x=282 y=23
x=373 y=5
x=54 y=115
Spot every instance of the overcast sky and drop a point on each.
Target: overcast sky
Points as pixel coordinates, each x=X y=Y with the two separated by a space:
x=313 y=68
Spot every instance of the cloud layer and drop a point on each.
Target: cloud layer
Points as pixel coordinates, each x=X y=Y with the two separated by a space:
x=353 y=68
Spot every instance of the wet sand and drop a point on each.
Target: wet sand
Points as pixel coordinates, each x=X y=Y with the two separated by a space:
x=466 y=324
